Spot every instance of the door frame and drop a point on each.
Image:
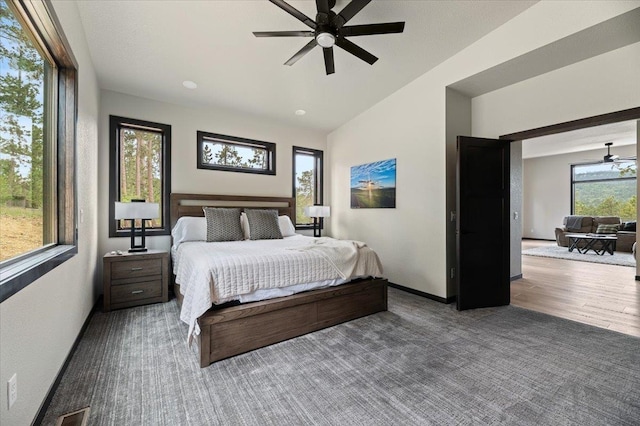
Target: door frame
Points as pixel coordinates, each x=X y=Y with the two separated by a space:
x=582 y=123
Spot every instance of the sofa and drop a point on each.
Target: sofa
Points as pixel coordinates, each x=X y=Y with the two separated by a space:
x=626 y=234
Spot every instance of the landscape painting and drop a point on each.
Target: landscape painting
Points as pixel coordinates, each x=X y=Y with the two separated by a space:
x=373 y=185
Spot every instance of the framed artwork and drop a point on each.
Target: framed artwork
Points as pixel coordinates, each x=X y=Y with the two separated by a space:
x=373 y=185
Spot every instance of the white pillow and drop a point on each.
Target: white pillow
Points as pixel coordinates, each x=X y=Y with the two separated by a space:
x=244 y=224
x=189 y=228
x=286 y=226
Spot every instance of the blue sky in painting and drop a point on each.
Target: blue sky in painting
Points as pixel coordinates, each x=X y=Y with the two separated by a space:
x=383 y=173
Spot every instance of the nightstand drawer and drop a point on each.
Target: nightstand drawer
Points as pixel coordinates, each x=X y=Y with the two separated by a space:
x=136 y=268
x=136 y=291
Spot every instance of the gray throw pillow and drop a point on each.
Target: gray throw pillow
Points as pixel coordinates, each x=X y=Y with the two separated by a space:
x=263 y=224
x=223 y=224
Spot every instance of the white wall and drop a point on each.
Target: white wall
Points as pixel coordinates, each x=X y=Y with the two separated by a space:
x=602 y=84
x=410 y=125
x=547 y=189
x=185 y=177
x=40 y=323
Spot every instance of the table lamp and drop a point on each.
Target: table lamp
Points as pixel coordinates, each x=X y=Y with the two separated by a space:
x=317 y=212
x=137 y=209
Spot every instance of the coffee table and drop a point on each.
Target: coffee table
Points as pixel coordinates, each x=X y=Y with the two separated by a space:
x=599 y=243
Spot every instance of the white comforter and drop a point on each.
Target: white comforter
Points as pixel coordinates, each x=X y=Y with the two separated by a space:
x=219 y=272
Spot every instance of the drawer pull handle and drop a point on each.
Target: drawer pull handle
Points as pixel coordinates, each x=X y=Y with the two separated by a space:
x=137 y=291
x=137 y=269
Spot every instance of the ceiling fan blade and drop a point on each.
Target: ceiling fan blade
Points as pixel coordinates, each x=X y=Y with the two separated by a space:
x=349 y=12
x=328 y=60
x=283 y=33
x=313 y=43
x=322 y=6
x=295 y=13
x=355 y=50
x=371 y=29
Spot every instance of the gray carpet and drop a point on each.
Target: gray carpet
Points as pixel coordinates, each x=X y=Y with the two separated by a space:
x=420 y=363
x=618 y=258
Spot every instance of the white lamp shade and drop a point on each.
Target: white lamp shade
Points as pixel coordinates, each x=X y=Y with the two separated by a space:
x=317 y=211
x=137 y=210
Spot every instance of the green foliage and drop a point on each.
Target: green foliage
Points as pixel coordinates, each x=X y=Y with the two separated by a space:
x=21 y=114
x=227 y=154
x=305 y=196
x=207 y=155
x=140 y=167
x=610 y=206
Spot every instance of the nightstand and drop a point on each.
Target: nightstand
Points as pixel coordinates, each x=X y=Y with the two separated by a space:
x=132 y=279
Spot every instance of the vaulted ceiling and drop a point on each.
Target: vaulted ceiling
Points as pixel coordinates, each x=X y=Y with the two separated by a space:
x=148 y=48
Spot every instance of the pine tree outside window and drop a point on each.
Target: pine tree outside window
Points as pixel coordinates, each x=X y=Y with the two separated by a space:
x=234 y=154
x=38 y=107
x=307 y=183
x=140 y=170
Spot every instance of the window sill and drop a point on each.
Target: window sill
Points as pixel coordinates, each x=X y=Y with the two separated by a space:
x=18 y=275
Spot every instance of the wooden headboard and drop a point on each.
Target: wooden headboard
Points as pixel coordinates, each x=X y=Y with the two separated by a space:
x=192 y=204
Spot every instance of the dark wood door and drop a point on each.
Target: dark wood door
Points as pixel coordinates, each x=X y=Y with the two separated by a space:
x=482 y=226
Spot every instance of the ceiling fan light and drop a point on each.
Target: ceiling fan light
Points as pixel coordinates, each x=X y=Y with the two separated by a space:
x=326 y=40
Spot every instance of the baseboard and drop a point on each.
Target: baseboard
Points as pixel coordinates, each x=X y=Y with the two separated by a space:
x=538 y=239
x=423 y=294
x=515 y=277
x=54 y=386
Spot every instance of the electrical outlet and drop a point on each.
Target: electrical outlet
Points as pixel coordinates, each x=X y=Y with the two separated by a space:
x=12 y=389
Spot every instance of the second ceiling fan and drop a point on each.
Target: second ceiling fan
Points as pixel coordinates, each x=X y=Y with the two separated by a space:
x=329 y=29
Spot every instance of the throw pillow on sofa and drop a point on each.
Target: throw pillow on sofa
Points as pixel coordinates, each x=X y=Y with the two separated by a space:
x=629 y=226
x=607 y=229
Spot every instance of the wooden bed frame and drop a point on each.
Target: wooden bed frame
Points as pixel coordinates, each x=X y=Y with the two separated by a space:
x=229 y=331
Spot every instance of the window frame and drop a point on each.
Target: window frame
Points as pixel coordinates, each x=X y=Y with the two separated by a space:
x=270 y=147
x=319 y=182
x=115 y=124
x=573 y=182
x=39 y=19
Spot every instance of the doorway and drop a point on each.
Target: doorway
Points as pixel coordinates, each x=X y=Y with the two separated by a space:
x=602 y=295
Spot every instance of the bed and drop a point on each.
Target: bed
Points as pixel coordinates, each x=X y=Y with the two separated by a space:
x=230 y=327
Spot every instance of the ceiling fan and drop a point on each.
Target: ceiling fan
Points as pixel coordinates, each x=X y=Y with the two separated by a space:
x=329 y=29
x=609 y=158
x=615 y=160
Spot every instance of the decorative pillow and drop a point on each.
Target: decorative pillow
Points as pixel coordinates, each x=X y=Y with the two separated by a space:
x=189 y=228
x=223 y=224
x=286 y=227
x=607 y=229
x=629 y=226
x=263 y=224
x=244 y=223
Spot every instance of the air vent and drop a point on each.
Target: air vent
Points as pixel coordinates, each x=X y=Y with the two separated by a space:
x=77 y=418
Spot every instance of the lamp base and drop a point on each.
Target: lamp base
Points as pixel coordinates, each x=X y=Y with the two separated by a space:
x=137 y=249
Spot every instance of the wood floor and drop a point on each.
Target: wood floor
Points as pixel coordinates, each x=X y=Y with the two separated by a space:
x=606 y=296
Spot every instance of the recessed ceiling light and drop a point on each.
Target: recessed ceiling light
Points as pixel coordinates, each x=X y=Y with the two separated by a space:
x=189 y=84
x=300 y=112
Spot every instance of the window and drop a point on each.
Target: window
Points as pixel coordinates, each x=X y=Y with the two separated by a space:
x=140 y=168
x=307 y=183
x=233 y=154
x=604 y=189
x=38 y=92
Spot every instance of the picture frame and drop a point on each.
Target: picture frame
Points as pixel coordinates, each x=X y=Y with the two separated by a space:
x=373 y=185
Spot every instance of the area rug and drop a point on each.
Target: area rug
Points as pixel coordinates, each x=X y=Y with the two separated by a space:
x=421 y=363
x=618 y=258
